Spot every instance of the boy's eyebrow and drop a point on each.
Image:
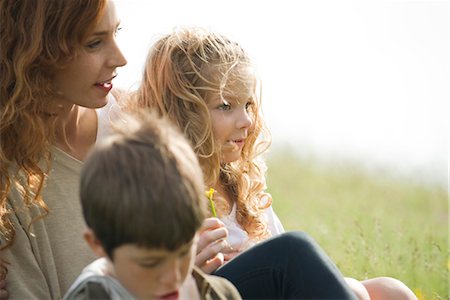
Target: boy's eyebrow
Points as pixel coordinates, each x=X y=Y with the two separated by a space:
x=151 y=257
x=163 y=255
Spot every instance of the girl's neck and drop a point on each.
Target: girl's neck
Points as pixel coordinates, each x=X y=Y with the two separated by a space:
x=76 y=130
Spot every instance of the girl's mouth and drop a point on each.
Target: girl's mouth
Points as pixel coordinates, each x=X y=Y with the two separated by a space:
x=239 y=143
x=233 y=145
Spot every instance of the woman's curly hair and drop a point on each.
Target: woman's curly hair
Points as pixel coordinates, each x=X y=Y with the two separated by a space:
x=182 y=71
x=36 y=38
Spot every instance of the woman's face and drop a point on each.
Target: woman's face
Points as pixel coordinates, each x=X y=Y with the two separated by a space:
x=86 y=80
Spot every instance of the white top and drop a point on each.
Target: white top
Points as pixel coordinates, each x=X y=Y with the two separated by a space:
x=105 y=115
x=238 y=237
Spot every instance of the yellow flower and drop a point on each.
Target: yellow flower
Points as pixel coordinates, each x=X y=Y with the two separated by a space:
x=210 y=194
x=419 y=294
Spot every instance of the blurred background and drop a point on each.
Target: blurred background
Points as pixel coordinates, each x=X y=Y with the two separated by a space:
x=356 y=94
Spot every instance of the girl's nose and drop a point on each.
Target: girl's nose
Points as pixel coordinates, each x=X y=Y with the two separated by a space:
x=244 y=120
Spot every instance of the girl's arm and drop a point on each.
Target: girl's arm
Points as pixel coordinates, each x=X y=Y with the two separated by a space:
x=273 y=222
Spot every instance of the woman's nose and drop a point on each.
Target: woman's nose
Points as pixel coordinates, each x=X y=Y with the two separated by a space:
x=117 y=59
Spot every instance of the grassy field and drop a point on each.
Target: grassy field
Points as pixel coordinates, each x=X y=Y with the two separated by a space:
x=371 y=224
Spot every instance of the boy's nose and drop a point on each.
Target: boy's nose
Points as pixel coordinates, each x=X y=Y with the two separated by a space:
x=172 y=274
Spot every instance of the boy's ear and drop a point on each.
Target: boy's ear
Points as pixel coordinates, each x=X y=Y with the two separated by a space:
x=94 y=243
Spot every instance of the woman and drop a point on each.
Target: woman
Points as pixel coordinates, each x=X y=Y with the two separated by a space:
x=57 y=62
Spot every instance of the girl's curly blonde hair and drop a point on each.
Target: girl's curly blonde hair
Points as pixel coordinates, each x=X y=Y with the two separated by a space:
x=36 y=38
x=182 y=71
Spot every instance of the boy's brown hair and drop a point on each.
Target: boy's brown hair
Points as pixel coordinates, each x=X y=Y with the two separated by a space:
x=143 y=186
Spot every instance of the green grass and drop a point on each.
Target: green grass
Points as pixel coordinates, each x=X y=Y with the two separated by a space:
x=370 y=223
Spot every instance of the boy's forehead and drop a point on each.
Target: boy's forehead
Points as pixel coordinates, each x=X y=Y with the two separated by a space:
x=139 y=252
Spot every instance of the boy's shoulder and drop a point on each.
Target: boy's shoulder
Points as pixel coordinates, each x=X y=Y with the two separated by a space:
x=97 y=287
x=89 y=290
x=93 y=283
x=214 y=287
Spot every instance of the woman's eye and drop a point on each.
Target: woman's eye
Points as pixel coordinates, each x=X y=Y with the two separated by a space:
x=248 y=105
x=94 y=44
x=117 y=31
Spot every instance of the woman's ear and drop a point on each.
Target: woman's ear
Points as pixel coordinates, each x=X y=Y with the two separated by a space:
x=94 y=243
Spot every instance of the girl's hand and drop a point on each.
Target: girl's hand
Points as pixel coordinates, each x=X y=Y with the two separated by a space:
x=230 y=255
x=211 y=245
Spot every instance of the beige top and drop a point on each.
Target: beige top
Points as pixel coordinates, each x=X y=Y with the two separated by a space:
x=44 y=262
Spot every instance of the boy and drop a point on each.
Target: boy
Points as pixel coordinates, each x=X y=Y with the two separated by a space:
x=143 y=202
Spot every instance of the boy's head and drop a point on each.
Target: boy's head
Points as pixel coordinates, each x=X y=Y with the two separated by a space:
x=142 y=197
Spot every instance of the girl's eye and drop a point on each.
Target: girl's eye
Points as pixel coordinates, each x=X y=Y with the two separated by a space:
x=248 y=105
x=224 y=106
x=94 y=44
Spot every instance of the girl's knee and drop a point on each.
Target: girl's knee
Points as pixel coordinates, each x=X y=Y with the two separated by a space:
x=388 y=288
x=299 y=247
x=357 y=288
x=295 y=240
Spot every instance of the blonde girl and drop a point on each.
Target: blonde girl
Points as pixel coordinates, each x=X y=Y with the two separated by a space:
x=212 y=79
x=57 y=62
x=205 y=83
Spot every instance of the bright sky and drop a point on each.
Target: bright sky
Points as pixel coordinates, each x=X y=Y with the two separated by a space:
x=362 y=79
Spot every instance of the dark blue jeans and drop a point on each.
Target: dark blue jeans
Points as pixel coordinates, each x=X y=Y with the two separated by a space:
x=289 y=266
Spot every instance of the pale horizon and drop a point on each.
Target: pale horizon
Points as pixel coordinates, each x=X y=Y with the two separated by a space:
x=367 y=80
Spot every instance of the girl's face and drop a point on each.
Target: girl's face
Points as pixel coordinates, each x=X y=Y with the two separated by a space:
x=154 y=273
x=230 y=117
x=86 y=80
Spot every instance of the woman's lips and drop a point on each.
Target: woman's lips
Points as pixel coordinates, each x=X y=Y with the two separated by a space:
x=106 y=86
